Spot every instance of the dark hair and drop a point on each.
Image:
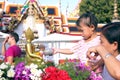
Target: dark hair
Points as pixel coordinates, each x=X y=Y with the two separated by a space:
x=15 y=35
x=88 y=18
x=111 y=31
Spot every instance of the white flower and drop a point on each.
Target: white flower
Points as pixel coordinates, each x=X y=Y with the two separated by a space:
x=33 y=71
x=12 y=66
x=33 y=66
x=32 y=77
x=3 y=66
x=1 y=73
x=35 y=77
x=36 y=72
x=39 y=72
x=10 y=73
x=2 y=78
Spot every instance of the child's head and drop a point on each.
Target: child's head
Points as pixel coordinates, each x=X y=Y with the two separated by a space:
x=87 y=22
x=42 y=47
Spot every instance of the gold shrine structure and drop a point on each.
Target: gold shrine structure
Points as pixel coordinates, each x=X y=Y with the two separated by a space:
x=18 y=15
x=41 y=13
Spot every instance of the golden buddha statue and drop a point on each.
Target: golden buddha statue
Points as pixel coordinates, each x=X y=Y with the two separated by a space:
x=31 y=56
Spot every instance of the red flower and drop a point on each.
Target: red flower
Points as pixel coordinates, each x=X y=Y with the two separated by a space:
x=51 y=69
x=63 y=75
x=53 y=73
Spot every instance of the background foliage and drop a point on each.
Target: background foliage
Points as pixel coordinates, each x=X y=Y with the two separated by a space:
x=103 y=9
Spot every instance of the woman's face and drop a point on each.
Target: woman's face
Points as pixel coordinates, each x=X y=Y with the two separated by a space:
x=86 y=30
x=104 y=42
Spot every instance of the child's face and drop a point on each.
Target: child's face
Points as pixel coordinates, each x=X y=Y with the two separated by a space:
x=87 y=31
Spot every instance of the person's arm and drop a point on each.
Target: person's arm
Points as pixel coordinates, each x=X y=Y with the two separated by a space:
x=96 y=65
x=68 y=51
x=3 y=49
x=10 y=59
x=63 y=51
x=3 y=45
x=113 y=65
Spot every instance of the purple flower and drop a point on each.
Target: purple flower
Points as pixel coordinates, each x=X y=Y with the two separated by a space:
x=94 y=76
x=82 y=66
x=21 y=73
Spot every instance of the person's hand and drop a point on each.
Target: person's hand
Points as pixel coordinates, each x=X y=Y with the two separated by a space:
x=5 y=40
x=55 y=50
x=93 y=64
x=92 y=53
x=97 y=50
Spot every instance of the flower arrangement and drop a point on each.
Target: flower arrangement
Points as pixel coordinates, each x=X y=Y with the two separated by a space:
x=73 y=70
x=19 y=72
x=22 y=71
x=79 y=71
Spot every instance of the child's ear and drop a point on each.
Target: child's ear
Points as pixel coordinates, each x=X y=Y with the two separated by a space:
x=92 y=27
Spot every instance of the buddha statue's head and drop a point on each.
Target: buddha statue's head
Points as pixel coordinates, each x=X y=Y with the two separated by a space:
x=29 y=35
